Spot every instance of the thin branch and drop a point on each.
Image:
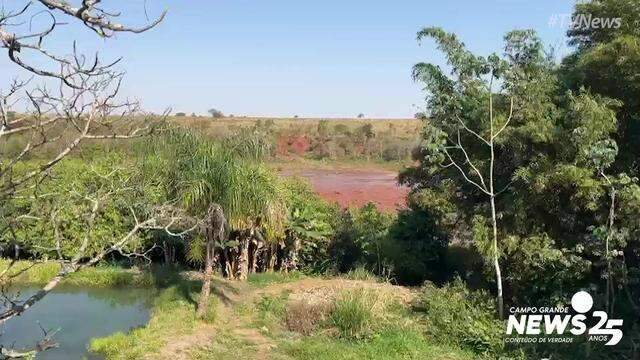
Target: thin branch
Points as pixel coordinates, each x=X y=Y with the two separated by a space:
x=462 y=172
x=471 y=131
x=506 y=122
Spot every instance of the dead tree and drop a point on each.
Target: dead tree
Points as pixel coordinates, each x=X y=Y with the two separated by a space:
x=68 y=99
x=78 y=99
x=45 y=344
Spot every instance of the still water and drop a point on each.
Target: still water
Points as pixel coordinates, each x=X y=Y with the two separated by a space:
x=81 y=314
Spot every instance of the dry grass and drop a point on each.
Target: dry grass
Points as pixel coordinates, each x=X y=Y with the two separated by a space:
x=223 y=126
x=306 y=317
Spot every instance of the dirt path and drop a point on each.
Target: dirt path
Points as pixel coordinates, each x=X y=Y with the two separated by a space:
x=181 y=346
x=229 y=295
x=233 y=294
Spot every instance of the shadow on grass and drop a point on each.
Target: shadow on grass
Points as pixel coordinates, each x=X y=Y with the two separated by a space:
x=168 y=276
x=225 y=291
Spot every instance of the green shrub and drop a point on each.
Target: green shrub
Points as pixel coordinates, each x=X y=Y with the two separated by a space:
x=272 y=304
x=211 y=313
x=458 y=316
x=358 y=313
x=359 y=236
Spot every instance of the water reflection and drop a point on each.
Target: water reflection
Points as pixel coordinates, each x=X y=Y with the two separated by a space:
x=81 y=314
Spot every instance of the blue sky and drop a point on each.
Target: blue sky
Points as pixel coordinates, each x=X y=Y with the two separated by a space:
x=307 y=58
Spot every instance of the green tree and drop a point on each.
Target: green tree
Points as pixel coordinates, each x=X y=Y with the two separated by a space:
x=563 y=222
x=465 y=127
x=308 y=230
x=209 y=179
x=606 y=62
x=215 y=113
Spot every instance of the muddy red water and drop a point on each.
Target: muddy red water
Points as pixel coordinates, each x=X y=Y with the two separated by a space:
x=355 y=187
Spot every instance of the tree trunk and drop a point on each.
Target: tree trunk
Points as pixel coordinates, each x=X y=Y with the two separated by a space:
x=256 y=249
x=203 y=301
x=214 y=233
x=253 y=255
x=292 y=255
x=295 y=253
x=242 y=268
x=496 y=262
x=270 y=261
x=228 y=266
x=169 y=253
x=609 y=280
x=492 y=196
x=281 y=255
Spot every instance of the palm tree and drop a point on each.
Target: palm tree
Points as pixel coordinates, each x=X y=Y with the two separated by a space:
x=233 y=194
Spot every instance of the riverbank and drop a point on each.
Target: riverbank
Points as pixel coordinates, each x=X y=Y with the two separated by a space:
x=39 y=273
x=283 y=317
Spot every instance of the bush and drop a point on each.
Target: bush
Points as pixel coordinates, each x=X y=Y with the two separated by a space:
x=211 y=314
x=357 y=314
x=358 y=240
x=273 y=305
x=416 y=248
x=461 y=317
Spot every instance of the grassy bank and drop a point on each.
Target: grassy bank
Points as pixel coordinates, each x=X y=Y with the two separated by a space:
x=30 y=273
x=266 y=318
x=172 y=316
x=272 y=315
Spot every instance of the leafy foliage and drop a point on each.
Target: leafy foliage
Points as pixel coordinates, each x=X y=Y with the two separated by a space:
x=97 y=201
x=466 y=318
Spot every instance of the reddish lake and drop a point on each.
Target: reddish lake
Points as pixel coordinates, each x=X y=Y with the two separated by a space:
x=355 y=187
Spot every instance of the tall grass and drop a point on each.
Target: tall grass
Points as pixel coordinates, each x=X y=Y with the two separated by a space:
x=30 y=273
x=389 y=344
x=357 y=313
x=360 y=273
x=271 y=277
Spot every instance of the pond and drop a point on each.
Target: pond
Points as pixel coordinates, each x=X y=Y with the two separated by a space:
x=81 y=314
x=355 y=187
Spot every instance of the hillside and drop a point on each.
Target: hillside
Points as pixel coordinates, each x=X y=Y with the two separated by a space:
x=212 y=126
x=385 y=142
